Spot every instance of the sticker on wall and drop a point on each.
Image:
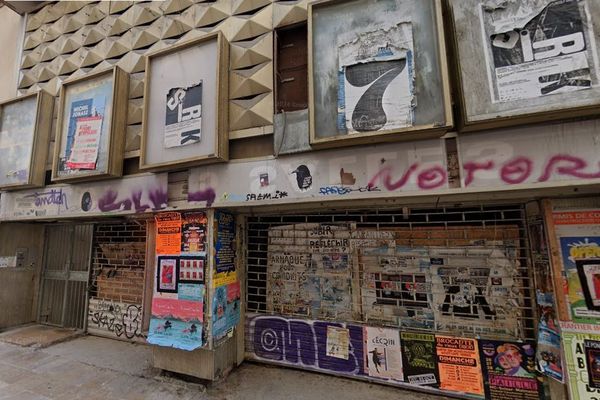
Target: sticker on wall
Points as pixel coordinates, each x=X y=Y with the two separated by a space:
x=458 y=365
x=419 y=359
x=509 y=370
x=226 y=309
x=168 y=233
x=338 y=342
x=535 y=52
x=183 y=116
x=376 y=80
x=383 y=353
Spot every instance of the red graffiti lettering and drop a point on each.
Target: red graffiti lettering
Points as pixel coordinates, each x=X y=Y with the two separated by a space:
x=385 y=174
x=472 y=166
x=516 y=170
x=564 y=164
x=432 y=178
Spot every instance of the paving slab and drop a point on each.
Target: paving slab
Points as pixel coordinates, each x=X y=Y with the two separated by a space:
x=39 y=336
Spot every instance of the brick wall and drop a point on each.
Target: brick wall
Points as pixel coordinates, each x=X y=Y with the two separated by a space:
x=119 y=262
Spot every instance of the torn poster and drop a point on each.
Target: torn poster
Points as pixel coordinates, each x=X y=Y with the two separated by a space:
x=86 y=143
x=376 y=80
x=183 y=120
x=538 y=47
x=338 y=342
x=383 y=356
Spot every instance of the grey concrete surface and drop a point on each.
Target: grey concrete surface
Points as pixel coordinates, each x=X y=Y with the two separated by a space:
x=92 y=368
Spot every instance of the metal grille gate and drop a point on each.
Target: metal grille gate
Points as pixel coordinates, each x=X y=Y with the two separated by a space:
x=463 y=271
x=67 y=258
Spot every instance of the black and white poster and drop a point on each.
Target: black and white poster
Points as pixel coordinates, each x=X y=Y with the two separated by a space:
x=537 y=48
x=183 y=118
x=375 y=89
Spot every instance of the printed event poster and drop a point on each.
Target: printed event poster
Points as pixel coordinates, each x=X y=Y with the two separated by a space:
x=167 y=274
x=509 y=370
x=79 y=109
x=84 y=152
x=419 y=358
x=458 y=365
x=224 y=249
x=376 y=80
x=226 y=309
x=578 y=234
x=193 y=232
x=539 y=48
x=579 y=359
x=168 y=233
x=383 y=354
x=338 y=342
x=183 y=116
x=548 y=352
x=191 y=269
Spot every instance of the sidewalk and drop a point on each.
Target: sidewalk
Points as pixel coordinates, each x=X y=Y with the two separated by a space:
x=92 y=368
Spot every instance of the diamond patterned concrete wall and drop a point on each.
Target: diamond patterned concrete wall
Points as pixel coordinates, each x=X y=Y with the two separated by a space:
x=70 y=39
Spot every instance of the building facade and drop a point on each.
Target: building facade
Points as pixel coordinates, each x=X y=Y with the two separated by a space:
x=398 y=191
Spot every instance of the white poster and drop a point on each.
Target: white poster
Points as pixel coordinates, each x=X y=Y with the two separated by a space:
x=183 y=116
x=384 y=355
x=338 y=342
x=84 y=152
x=376 y=80
x=537 y=48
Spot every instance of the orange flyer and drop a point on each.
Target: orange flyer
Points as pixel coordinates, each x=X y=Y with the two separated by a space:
x=168 y=233
x=459 y=365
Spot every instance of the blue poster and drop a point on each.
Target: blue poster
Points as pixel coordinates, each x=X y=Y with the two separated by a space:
x=175 y=333
x=226 y=309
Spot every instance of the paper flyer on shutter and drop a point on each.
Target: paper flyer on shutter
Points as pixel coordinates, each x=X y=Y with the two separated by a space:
x=383 y=355
x=458 y=365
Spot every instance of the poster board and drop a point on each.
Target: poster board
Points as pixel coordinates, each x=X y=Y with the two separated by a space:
x=539 y=60
x=25 y=124
x=91 y=126
x=372 y=80
x=185 y=104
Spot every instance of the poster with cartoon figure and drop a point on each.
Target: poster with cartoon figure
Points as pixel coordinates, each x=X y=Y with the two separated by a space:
x=226 y=309
x=509 y=370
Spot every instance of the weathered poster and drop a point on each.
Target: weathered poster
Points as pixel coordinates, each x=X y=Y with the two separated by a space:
x=574 y=336
x=509 y=370
x=79 y=109
x=168 y=233
x=183 y=116
x=338 y=342
x=592 y=359
x=578 y=235
x=193 y=231
x=84 y=152
x=537 y=48
x=458 y=365
x=476 y=288
x=168 y=332
x=309 y=270
x=548 y=353
x=226 y=309
x=224 y=249
x=191 y=269
x=419 y=358
x=376 y=90
x=383 y=355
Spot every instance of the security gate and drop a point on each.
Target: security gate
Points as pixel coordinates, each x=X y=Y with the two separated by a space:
x=67 y=258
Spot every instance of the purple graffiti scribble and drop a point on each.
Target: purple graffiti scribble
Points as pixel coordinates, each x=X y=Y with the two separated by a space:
x=137 y=201
x=305 y=342
x=207 y=195
x=159 y=198
x=571 y=166
x=108 y=202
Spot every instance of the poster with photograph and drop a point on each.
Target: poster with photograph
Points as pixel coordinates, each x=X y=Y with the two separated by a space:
x=86 y=126
x=578 y=359
x=458 y=365
x=383 y=355
x=509 y=370
x=548 y=352
x=475 y=286
x=193 y=231
x=167 y=276
x=338 y=342
x=84 y=150
x=17 y=129
x=191 y=269
x=168 y=233
x=419 y=359
x=538 y=48
x=589 y=276
x=183 y=116
x=315 y=279
x=376 y=88
x=226 y=309
x=224 y=272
